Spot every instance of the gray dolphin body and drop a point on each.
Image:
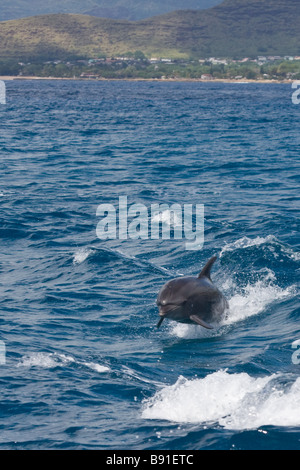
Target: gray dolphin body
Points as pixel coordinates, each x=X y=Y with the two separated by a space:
x=192 y=299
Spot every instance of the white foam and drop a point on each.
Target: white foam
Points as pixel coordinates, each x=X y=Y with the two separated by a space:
x=97 y=367
x=81 y=255
x=51 y=360
x=245 y=242
x=46 y=360
x=250 y=300
x=188 y=331
x=254 y=298
x=234 y=401
x=270 y=240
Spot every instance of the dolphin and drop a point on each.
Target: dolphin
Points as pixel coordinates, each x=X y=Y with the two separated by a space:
x=192 y=299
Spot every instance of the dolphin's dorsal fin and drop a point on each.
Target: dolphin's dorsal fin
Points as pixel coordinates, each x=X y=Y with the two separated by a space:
x=206 y=270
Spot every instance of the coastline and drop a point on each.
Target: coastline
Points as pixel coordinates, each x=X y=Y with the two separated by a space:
x=216 y=80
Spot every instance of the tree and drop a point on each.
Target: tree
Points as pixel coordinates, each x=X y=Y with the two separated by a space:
x=139 y=55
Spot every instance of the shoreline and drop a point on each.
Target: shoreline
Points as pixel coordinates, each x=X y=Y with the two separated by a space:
x=216 y=80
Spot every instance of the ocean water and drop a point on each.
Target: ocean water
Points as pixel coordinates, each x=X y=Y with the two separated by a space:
x=82 y=363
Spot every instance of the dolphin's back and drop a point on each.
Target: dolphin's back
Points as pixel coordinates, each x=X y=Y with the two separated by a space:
x=207 y=301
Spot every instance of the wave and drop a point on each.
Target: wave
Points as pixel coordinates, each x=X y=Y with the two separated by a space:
x=254 y=299
x=246 y=242
x=52 y=360
x=233 y=401
x=81 y=255
x=244 y=303
x=270 y=241
x=84 y=253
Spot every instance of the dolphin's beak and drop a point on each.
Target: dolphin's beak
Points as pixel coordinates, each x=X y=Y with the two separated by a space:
x=164 y=309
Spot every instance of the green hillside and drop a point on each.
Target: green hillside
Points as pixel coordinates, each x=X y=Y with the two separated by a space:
x=236 y=28
x=117 y=9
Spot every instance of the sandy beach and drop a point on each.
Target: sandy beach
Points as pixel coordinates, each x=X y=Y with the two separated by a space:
x=221 y=80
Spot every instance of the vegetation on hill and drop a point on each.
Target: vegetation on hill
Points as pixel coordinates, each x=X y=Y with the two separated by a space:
x=118 y=9
x=236 y=29
x=136 y=66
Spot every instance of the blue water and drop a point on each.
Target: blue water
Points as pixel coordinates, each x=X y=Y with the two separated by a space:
x=85 y=366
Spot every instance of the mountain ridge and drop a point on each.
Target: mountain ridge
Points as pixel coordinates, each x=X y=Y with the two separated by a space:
x=132 y=10
x=235 y=28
